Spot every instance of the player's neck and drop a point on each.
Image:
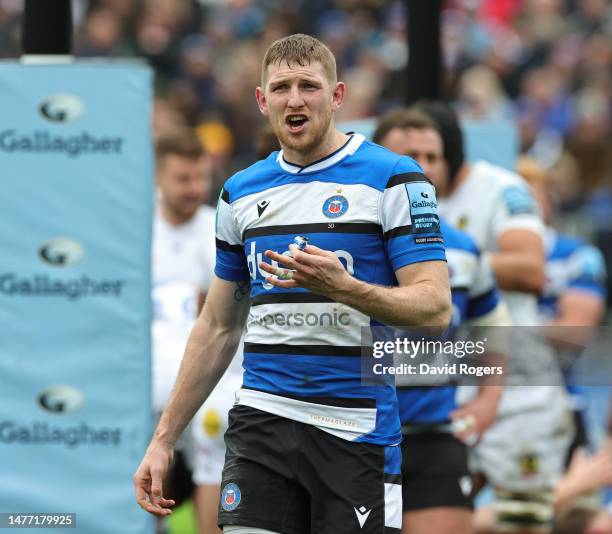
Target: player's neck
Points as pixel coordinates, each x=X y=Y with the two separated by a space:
x=330 y=143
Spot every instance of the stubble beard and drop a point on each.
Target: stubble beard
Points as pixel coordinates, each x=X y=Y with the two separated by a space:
x=182 y=212
x=302 y=144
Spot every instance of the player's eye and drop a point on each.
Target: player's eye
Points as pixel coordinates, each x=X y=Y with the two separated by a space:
x=279 y=88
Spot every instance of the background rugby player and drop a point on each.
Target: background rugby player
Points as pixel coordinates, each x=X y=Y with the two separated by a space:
x=522 y=454
x=436 y=482
x=183 y=265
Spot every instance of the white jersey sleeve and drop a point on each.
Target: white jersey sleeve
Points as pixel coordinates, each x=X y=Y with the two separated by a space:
x=516 y=209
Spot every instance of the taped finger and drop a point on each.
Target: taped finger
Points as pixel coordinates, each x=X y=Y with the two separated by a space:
x=284 y=274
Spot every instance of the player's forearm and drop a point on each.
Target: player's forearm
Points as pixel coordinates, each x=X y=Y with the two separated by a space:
x=564 y=336
x=209 y=351
x=519 y=272
x=419 y=305
x=566 y=492
x=571 y=487
x=490 y=390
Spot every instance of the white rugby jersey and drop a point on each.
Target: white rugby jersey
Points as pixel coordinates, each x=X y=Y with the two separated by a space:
x=489 y=202
x=183 y=262
x=185 y=252
x=377 y=212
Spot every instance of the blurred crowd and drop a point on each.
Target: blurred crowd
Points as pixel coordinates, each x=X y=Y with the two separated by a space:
x=546 y=64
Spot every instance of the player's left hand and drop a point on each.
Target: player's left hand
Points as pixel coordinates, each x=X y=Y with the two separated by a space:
x=315 y=269
x=478 y=415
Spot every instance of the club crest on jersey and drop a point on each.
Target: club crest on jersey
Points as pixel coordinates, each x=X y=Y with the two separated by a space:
x=335 y=206
x=230 y=497
x=530 y=464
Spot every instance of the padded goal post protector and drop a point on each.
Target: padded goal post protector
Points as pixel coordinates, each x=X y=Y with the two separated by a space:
x=76 y=182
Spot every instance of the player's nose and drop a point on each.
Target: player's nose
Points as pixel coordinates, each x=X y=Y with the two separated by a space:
x=295 y=97
x=424 y=165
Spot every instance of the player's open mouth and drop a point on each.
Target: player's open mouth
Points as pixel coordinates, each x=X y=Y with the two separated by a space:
x=296 y=123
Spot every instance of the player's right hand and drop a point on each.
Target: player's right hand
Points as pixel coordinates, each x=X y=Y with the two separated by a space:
x=149 y=477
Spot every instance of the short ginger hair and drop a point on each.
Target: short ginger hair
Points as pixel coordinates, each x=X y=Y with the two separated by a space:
x=301 y=49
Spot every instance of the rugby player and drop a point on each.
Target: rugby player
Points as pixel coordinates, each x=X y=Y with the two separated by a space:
x=522 y=454
x=573 y=302
x=182 y=270
x=436 y=482
x=309 y=449
x=572 y=306
x=183 y=250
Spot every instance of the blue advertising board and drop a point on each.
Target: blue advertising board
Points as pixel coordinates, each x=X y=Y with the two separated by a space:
x=76 y=170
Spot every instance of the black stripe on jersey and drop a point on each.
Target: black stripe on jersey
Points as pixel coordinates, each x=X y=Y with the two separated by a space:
x=303 y=350
x=224 y=245
x=224 y=195
x=477 y=300
x=315 y=228
x=392 y=479
x=397 y=231
x=460 y=288
x=406 y=178
x=289 y=298
x=525 y=497
x=341 y=402
x=521 y=519
x=391 y=530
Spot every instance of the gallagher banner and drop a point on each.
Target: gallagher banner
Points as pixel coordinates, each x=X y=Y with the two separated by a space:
x=76 y=199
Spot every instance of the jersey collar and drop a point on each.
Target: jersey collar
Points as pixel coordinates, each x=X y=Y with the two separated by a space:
x=348 y=149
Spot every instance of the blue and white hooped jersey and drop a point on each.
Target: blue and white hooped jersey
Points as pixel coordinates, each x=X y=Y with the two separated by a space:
x=474 y=295
x=571 y=263
x=378 y=213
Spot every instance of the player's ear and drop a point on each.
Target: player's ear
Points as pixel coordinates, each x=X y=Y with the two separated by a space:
x=261 y=101
x=338 y=95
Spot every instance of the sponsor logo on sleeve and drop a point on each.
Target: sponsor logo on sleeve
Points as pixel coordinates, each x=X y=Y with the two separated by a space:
x=423 y=207
x=519 y=201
